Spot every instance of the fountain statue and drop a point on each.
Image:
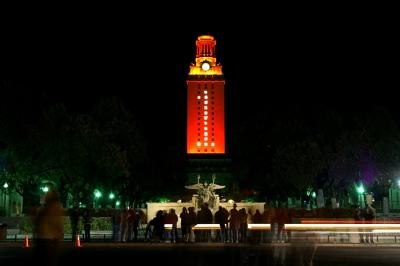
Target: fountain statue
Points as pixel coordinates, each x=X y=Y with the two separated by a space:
x=205 y=192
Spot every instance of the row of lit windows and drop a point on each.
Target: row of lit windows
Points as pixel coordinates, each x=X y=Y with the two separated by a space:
x=205 y=114
x=205 y=97
x=205 y=144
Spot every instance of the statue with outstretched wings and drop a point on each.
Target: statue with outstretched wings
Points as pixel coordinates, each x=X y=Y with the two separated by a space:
x=205 y=191
x=197 y=186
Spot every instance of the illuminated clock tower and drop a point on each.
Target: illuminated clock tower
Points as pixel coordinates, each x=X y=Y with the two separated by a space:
x=205 y=146
x=205 y=101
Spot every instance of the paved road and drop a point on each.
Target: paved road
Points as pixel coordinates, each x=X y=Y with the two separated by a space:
x=96 y=254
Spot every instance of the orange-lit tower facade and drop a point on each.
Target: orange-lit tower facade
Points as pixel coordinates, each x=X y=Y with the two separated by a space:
x=205 y=101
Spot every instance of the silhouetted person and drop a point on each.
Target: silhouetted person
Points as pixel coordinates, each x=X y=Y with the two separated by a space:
x=282 y=218
x=116 y=222
x=234 y=224
x=191 y=222
x=208 y=220
x=243 y=225
x=74 y=218
x=148 y=235
x=184 y=225
x=136 y=224
x=369 y=216
x=257 y=219
x=124 y=225
x=358 y=218
x=221 y=218
x=49 y=230
x=172 y=218
x=269 y=217
x=87 y=223
x=159 y=225
x=131 y=222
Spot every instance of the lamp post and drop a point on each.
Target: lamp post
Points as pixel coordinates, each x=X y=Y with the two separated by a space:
x=97 y=195
x=360 y=192
x=5 y=186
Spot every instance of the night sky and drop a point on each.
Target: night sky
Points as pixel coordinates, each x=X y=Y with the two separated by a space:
x=278 y=66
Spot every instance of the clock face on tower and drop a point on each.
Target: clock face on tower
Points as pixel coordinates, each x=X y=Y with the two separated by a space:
x=205 y=66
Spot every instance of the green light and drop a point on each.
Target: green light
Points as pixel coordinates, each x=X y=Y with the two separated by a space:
x=314 y=195
x=45 y=189
x=5 y=185
x=97 y=193
x=164 y=200
x=111 y=195
x=360 y=189
x=117 y=203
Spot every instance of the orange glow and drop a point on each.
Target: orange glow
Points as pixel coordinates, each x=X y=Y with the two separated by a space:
x=197 y=70
x=259 y=226
x=206 y=227
x=205 y=52
x=205 y=101
x=205 y=37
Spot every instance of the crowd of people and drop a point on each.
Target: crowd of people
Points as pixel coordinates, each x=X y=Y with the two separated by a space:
x=233 y=225
x=366 y=215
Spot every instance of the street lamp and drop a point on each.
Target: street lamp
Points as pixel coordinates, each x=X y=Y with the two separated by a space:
x=361 y=191
x=111 y=196
x=97 y=195
x=5 y=186
x=45 y=189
